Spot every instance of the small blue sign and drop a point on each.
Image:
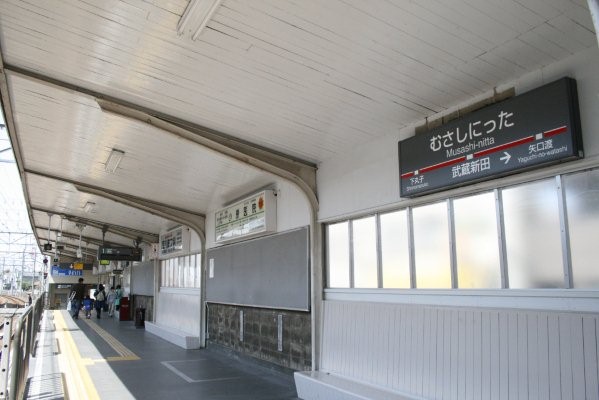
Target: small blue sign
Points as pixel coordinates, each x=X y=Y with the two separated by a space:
x=57 y=271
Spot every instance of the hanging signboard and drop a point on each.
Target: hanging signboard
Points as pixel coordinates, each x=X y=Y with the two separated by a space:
x=535 y=129
x=174 y=242
x=58 y=271
x=251 y=216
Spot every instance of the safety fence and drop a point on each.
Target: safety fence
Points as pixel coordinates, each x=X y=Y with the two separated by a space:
x=19 y=329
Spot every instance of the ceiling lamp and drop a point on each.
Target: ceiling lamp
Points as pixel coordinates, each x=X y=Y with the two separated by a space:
x=114 y=159
x=89 y=207
x=196 y=16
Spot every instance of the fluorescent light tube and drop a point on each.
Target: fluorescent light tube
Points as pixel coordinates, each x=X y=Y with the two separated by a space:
x=89 y=207
x=114 y=159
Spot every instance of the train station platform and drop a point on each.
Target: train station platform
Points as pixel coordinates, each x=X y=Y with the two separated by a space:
x=110 y=359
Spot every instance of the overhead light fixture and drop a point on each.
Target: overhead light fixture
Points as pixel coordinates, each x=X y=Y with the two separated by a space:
x=114 y=159
x=196 y=16
x=89 y=207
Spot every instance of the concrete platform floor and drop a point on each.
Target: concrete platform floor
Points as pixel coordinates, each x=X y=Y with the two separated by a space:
x=107 y=359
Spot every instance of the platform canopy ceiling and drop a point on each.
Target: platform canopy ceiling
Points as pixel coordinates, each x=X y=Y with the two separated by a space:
x=302 y=81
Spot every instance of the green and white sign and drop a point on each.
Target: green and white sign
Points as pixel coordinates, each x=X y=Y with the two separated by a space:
x=248 y=217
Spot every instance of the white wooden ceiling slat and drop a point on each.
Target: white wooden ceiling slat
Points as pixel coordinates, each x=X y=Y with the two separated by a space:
x=536 y=39
x=488 y=71
x=274 y=90
x=561 y=5
x=393 y=14
x=544 y=8
x=424 y=31
x=226 y=28
x=491 y=29
x=521 y=18
x=581 y=16
x=84 y=43
x=522 y=54
x=292 y=106
x=572 y=29
x=315 y=78
x=497 y=13
x=555 y=36
x=496 y=58
x=374 y=52
x=349 y=21
x=581 y=3
x=447 y=21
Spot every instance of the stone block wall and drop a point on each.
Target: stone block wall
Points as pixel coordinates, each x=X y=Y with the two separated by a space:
x=259 y=336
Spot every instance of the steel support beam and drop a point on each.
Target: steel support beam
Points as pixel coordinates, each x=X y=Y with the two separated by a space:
x=87 y=239
x=299 y=172
x=123 y=231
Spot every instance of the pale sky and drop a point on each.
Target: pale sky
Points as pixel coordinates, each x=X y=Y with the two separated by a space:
x=16 y=250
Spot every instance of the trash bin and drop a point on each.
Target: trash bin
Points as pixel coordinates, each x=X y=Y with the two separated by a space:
x=140 y=317
x=124 y=310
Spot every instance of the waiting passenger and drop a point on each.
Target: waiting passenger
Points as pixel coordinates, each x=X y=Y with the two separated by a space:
x=100 y=296
x=117 y=300
x=77 y=298
x=110 y=300
x=87 y=306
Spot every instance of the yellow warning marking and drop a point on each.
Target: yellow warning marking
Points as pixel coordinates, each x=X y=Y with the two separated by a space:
x=124 y=352
x=79 y=383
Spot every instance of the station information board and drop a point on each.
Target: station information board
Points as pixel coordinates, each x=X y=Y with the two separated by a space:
x=535 y=129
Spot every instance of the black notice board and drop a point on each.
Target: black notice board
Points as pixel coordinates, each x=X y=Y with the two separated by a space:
x=537 y=128
x=271 y=271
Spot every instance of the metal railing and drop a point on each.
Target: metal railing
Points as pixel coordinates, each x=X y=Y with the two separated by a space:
x=19 y=329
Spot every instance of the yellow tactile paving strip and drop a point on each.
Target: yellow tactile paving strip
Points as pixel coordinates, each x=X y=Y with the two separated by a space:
x=78 y=381
x=124 y=353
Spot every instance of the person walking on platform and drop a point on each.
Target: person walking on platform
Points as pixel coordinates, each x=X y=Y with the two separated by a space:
x=87 y=306
x=77 y=298
x=110 y=298
x=117 y=299
x=100 y=296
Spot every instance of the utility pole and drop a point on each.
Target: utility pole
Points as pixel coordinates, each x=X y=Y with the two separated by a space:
x=33 y=275
x=22 y=268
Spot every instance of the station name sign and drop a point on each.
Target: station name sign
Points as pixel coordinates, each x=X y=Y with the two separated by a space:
x=248 y=217
x=535 y=129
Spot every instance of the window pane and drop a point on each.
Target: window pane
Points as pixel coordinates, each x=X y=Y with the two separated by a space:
x=338 y=254
x=394 y=246
x=365 y=263
x=532 y=235
x=431 y=246
x=477 y=247
x=582 y=202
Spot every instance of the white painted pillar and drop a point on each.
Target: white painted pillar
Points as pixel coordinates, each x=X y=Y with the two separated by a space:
x=594 y=8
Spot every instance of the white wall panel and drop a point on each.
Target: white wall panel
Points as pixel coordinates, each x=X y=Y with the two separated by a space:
x=439 y=352
x=179 y=309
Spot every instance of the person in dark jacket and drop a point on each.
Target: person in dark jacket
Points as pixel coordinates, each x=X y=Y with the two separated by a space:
x=100 y=295
x=77 y=298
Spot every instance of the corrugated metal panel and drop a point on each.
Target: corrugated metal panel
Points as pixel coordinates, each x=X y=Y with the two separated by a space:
x=438 y=352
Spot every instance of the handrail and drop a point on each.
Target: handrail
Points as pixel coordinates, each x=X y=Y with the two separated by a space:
x=21 y=326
